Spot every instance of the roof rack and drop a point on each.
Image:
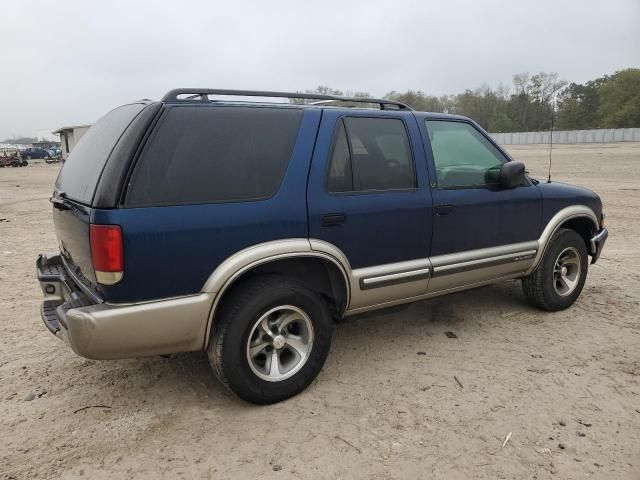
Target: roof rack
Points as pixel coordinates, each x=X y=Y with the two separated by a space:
x=201 y=94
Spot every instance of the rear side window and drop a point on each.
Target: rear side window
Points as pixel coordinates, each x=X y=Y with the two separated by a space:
x=370 y=154
x=215 y=154
x=81 y=172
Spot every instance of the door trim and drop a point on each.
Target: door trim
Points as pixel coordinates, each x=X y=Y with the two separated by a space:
x=428 y=295
x=451 y=263
x=393 y=282
x=394 y=278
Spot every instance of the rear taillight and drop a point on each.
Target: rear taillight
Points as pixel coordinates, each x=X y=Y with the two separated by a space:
x=107 y=255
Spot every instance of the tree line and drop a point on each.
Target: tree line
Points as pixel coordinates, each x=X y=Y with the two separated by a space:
x=531 y=101
x=20 y=140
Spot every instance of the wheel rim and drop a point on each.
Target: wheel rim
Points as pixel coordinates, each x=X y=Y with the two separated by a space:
x=280 y=343
x=566 y=272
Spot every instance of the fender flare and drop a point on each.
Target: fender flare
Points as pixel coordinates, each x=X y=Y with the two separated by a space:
x=567 y=213
x=245 y=260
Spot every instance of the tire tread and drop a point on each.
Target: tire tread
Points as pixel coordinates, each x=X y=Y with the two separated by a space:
x=535 y=285
x=230 y=312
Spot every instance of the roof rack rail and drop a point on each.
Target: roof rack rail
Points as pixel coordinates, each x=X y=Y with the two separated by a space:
x=201 y=94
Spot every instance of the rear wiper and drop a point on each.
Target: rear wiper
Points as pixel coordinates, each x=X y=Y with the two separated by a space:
x=59 y=203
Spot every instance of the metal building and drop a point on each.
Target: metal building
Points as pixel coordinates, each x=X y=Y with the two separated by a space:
x=69 y=136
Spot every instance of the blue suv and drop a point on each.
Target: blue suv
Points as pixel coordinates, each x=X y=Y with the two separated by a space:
x=31 y=153
x=247 y=228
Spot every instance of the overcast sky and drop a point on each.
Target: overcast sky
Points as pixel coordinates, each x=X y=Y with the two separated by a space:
x=69 y=61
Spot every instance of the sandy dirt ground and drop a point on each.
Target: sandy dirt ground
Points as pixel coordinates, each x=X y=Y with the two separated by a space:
x=564 y=386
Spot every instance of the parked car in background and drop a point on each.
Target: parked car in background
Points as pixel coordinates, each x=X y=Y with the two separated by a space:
x=31 y=153
x=54 y=156
x=246 y=229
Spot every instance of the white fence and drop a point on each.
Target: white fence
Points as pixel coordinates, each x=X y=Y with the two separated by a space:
x=609 y=135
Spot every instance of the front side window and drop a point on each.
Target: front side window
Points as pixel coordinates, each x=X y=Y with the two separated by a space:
x=215 y=154
x=370 y=154
x=463 y=157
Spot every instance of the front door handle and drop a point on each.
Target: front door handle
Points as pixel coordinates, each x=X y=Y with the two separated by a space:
x=332 y=219
x=442 y=210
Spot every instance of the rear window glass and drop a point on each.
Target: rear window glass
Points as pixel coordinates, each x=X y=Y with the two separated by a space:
x=81 y=172
x=215 y=154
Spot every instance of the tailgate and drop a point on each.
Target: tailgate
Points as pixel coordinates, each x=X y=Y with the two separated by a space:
x=71 y=222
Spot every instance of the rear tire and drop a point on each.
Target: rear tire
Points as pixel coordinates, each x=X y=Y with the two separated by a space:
x=270 y=338
x=559 y=278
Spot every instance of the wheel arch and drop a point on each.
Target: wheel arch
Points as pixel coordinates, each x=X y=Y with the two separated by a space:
x=319 y=270
x=579 y=218
x=584 y=227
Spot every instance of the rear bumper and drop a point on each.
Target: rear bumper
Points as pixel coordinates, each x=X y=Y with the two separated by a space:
x=597 y=243
x=99 y=330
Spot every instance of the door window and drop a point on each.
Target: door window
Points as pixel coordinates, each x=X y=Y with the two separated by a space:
x=463 y=157
x=370 y=154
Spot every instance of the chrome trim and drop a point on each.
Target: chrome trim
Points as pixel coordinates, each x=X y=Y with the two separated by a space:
x=567 y=213
x=394 y=278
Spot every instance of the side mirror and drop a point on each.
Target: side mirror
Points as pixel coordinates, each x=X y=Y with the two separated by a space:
x=511 y=174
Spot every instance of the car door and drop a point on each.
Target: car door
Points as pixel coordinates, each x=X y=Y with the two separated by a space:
x=481 y=232
x=368 y=195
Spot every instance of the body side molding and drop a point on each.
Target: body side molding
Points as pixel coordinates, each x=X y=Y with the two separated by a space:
x=393 y=278
x=429 y=294
x=567 y=213
x=390 y=281
x=445 y=264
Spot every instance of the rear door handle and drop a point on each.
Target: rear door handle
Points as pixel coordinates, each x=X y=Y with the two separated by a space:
x=332 y=219
x=442 y=210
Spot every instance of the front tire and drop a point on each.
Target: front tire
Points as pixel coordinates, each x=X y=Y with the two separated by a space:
x=270 y=339
x=559 y=278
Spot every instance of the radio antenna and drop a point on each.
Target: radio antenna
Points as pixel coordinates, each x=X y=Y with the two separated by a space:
x=553 y=109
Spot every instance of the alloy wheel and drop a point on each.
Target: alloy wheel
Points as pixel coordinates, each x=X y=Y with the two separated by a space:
x=566 y=271
x=280 y=343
